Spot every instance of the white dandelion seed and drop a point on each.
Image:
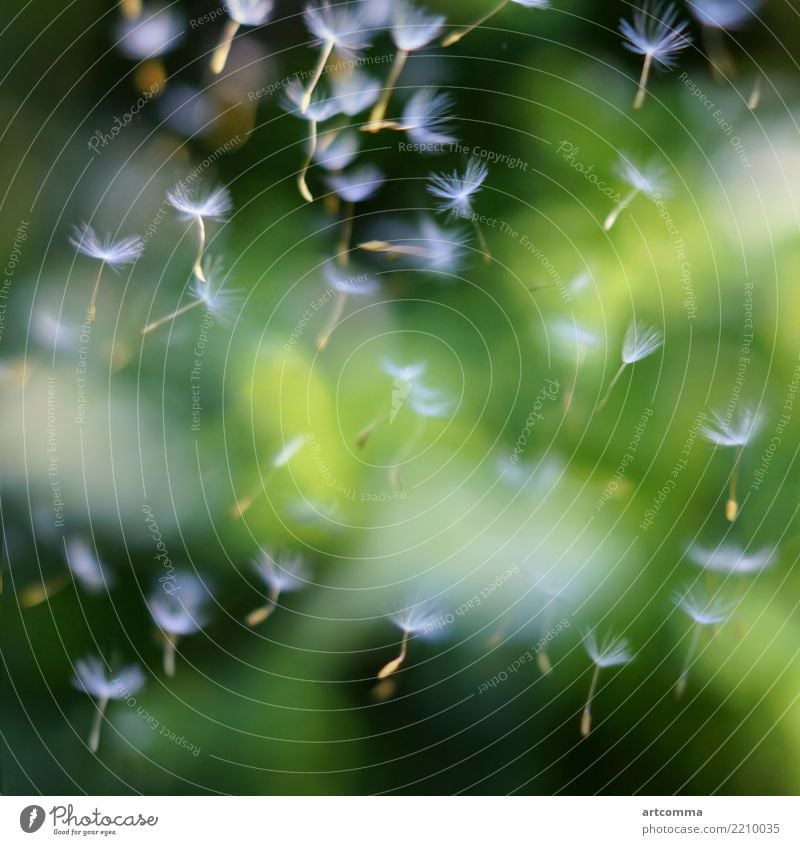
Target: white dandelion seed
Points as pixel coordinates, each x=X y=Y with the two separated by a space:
x=649 y=180
x=418 y=620
x=93 y=678
x=151 y=33
x=340 y=27
x=657 y=34
x=726 y=432
x=454 y=192
x=731 y=559
x=354 y=92
x=493 y=10
x=411 y=29
x=212 y=294
x=611 y=651
x=346 y=284
x=640 y=342
x=717 y=17
x=703 y=610
x=199 y=204
x=280 y=459
x=352 y=186
x=317 y=111
x=86 y=567
x=425 y=119
x=179 y=609
x=240 y=13
x=115 y=254
x=337 y=151
x=281 y=574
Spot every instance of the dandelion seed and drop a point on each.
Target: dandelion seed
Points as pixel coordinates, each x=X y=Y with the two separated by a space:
x=640 y=342
x=281 y=574
x=345 y=287
x=731 y=559
x=115 y=254
x=178 y=607
x=425 y=119
x=405 y=377
x=354 y=92
x=240 y=13
x=612 y=651
x=281 y=458
x=86 y=568
x=716 y=17
x=431 y=248
x=93 y=678
x=417 y=620
x=211 y=293
x=460 y=33
x=355 y=185
x=411 y=29
x=725 y=432
x=317 y=111
x=703 y=611
x=200 y=204
x=151 y=33
x=340 y=27
x=649 y=180
x=337 y=150
x=658 y=35
x=455 y=191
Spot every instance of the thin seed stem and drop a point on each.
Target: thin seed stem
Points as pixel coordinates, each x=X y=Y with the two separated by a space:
x=261 y=614
x=312 y=148
x=367 y=432
x=732 y=505
x=93 y=301
x=318 y=70
x=241 y=506
x=623 y=204
x=586 y=718
x=169 y=317
x=170 y=641
x=614 y=380
x=343 y=253
x=219 y=58
x=131 y=9
x=683 y=678
x=97 y=724
x=642 y=92
x=460 y=33
x=378 y=112
x=198 y=262
x=336 y=314
x=483 y=246
x=755 y=95
x=393 y=665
